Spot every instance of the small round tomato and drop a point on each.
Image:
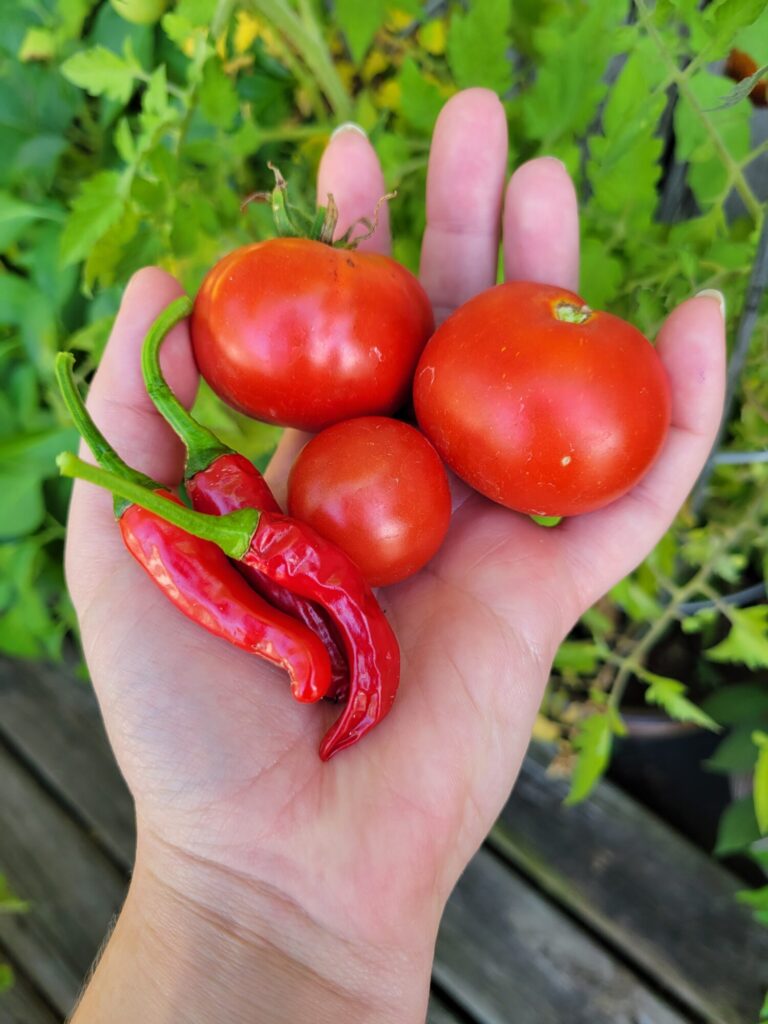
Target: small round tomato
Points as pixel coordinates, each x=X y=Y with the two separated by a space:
x=377 y=488
x=301 y=334
x=541 y=403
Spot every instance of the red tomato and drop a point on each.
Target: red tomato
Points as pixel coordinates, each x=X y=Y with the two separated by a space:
x=298 y=333
x=377 y=488
x=540 y=403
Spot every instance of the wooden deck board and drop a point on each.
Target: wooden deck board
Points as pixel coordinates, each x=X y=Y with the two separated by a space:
x=513 y=958
x=22 y=1004
x=73 y=889
x=665 y=904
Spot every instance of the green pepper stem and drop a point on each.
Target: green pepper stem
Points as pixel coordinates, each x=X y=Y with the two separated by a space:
x=203 y=447
x=102 y=450
x=231 y=532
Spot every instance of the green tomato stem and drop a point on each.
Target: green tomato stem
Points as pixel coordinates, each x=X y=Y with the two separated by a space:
x=231 y=532
x=203 y=447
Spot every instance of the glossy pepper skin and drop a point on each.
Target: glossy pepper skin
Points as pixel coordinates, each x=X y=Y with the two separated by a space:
x=230 y=483
x=220 y=480
x=297 y=558
x=293 y=555
x=194 y=573
x=197 y=577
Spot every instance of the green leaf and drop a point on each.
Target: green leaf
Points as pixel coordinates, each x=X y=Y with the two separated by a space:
x=25 y=306
x=22 y=509
x=739 y=704
x=735 y=754
x=359 y=22
x=422 y=99
x=580 y=656
x=742 y=89
x=9 y=901
x=669 y=694
x=760 y=785
x=728 y=16
x=38 y=44
x=219 y=101
x=478 y=41
x=593 y=741
x=6 y=977
x=99 y=205
x=103 y=73
x=105 y=255
x=738 y=828
x=747 y=642
x=15 y=215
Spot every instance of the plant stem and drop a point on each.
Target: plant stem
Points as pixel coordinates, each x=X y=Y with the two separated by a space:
x=203 y=447
x=680 y=79
x=310 y=46
x=231 y=532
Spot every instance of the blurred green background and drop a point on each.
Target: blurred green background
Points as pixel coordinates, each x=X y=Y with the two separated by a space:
x=130 y=131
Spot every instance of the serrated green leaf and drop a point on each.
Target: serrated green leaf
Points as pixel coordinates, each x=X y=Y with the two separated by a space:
x=99 y=205
x=421 y=100
x=741 y=90
x=359 y=23
x=108 y=251
x=219 y=101
x=593 y=742
x=103 y=73
x=747 y=642
x=123 y=140
x=669 y=694
x=737 y=829
x=478 y=44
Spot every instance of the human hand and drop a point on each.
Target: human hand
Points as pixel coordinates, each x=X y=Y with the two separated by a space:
x=338 y=873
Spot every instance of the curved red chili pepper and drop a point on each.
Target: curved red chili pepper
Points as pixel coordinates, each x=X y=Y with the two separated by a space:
x=195 y=574
x=198 y=578
x=293 y=555
x=231 y=482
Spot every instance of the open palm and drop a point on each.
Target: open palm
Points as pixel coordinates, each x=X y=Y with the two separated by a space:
x=222 y=763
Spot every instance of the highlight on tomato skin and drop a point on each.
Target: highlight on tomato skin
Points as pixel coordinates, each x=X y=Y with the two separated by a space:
x=375 y=487
x=297 y=333
x=540 y=403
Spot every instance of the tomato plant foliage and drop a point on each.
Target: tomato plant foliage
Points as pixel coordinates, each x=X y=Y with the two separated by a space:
x=126 y=143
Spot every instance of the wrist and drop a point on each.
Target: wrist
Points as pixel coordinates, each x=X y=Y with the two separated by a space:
x=196 y=943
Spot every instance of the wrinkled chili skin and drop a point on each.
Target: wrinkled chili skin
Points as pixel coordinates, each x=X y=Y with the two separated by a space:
x=293 y=555
x=230 y=483
x=202 y=583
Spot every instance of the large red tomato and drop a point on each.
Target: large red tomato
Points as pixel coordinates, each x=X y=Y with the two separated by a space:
x=298 y=333
x=377 y=488
x=541 y=403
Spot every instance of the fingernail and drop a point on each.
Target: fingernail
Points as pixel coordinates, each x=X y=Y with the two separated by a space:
x=349 y=126
x=555 y=160
x=713 y=293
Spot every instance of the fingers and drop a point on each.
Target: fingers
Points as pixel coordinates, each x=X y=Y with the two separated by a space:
x=465 y=181
x=351 y=172
x=541 y=225
x=124 y=413
x=604 y=546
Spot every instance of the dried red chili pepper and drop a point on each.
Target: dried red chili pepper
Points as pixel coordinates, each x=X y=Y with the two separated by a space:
x=293 y=555
x=196 y=576
x=219 y=480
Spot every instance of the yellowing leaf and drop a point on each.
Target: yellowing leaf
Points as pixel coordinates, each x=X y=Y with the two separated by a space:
x=433 y=36
x=389 y=94
x=247 y=29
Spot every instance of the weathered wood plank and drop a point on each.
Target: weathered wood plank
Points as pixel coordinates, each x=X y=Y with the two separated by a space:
x=53 y=720
x=667 y=906
x=438 y=1012
x=73 y=888
x=23 y=1005
x=510 y=956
